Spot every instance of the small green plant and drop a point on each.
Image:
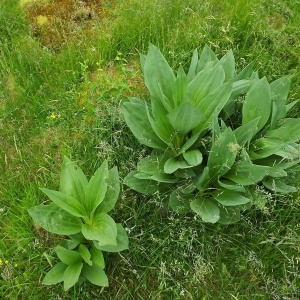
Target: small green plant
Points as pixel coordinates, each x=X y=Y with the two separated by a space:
x=79 y=210
x=215 y=135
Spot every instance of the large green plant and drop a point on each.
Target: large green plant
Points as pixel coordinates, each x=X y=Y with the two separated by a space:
x=216 y=135
x=79 y=210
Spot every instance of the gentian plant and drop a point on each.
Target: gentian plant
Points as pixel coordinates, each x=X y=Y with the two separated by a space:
x=79 y=211
x=216 y=135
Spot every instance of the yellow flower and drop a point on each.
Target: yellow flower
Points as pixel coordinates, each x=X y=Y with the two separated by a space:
x=1 y=262
x=54 y=116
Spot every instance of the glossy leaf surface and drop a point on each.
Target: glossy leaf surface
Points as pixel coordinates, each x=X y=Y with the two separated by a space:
x=102 y=228
x=206 y=209
x=55 y=220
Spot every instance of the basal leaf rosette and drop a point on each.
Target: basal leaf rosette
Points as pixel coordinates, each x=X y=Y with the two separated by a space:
x=182 y=106
x=216 y=135
x=79 y=210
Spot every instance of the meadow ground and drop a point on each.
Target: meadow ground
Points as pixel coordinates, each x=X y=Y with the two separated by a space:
x=65 y=66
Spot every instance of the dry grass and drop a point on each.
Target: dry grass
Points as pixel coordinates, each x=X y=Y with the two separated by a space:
x=57 y=22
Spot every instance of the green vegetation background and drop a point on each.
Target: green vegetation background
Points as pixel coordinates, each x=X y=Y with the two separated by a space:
x=62 y=78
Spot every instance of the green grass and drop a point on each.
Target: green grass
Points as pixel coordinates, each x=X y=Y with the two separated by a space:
x=170 y=256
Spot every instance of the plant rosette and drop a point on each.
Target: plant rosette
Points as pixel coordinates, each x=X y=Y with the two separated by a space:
x=216 y=135
x=79 y=210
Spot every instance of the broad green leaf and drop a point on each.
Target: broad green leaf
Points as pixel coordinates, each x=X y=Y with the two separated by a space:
x=229 y=198
x=212 y=104
x=277 y=171
x=206 y=209
x=184 y=173
x=55 y=220
x=257 y=103
x=72 y=274
x=276 y=162
x=223 y=153
x=208 y=66
x=280 y=91
x=161 y=100
x=70 y=244
x=223 y=126
x=96 y=188
x=173 y=164
x=279 y=186
x=142 y=186
x=244 y=155
x=290 y=151
x=157 y=109
x=254 y=76
x=193 y=66
x=193 y=157
x=245 y=73
x=265 y=147
x=184 y=118
x=229 y=215
x=122 y=241
x=152 y=164
x=55 y=275
x=179 y=202
x=72 y=180
x=206 y=56
x=205 y=83
x=189 y=143
x=295 y=171
x=231 y=186
x=180 y=90
x=291 y=105
x=157 y=71
x=245 y=133
x=102 y=228
x=228 y=65
x=215 y=127
x=65 y=202
x=286 y=164
x=112 y=192
x=78 y=237
x=246 y=173
x=228 y=109
x=288 y=132
x=202 y=181
x=97 y=257
x=142 y=176
x=136 y=118
x=240 y=88
x=67 y=256
x=164 y=178
x=95 y=275
x=187 y=188
x=162 y=128
x=85 y=254
x=274 y=115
